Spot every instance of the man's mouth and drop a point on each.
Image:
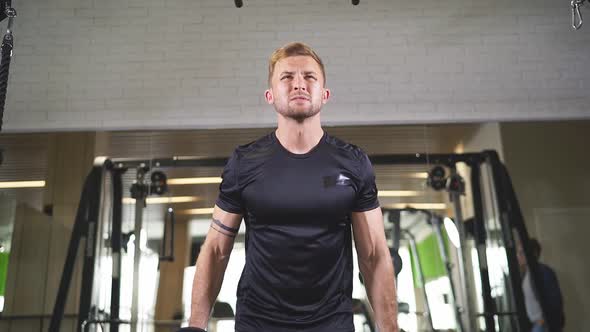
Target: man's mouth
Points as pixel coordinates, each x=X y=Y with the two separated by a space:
x=300 y=98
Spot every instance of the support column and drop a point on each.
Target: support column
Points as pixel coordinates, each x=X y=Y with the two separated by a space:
x=169 y=300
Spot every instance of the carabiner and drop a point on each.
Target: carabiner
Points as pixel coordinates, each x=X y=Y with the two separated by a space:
x=577 y=19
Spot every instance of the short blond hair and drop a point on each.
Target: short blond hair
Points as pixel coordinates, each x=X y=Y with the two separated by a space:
x=293 y=49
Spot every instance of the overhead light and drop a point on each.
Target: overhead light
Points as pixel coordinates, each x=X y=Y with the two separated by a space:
x=452 y=232
x=418 y=175
x=21 y=184
x=164 y=200
x=411 y=175
x=419 y=206
x=196 y=211
x=398 y=193
x=202 y=180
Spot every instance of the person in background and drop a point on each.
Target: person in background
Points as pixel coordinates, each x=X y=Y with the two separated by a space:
x=549 y=292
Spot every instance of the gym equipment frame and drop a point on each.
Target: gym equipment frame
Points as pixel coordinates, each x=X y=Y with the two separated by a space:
x=505 y=205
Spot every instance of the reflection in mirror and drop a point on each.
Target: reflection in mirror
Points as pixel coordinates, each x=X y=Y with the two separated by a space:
x=546 y=188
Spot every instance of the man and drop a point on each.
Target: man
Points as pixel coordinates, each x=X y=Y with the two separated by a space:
x=548 y=292
x=299 y=191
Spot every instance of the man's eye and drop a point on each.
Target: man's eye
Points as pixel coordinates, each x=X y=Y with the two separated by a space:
x=310 y=77
x=286 y=77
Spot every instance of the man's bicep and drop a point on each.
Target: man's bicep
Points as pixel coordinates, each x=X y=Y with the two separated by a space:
x=369 y=232
x=225 y=223
x=223 y=230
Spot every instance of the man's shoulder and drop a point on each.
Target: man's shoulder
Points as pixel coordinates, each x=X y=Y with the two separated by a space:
x=257 y=148
x=344 y=147
x=546 y=270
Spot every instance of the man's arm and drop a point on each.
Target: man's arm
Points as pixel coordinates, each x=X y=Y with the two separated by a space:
x=376 y=267
x=211 y=265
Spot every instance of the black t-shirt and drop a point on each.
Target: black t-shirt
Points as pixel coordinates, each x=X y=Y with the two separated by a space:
x=298 y=272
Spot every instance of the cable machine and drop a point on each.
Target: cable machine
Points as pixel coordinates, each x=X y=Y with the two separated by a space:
x=86 y=228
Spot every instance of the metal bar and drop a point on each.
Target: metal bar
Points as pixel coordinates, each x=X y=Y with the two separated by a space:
x=89 y=261
x=111 y=322
x=419 y=158
x=163 y=250
x=395 y=237
x=116 y=239
x=136 y=262
x=480 y=243
x=385 y=159
x=176 y=161
x=31 y=317
x=139 y=205
x=396 y=233
x=513 y=268
x=77 y=233
x=418 y=265
x=492 y=314
x=436 y=225
x=172 y=225
x=463 y=254
x=168 y=240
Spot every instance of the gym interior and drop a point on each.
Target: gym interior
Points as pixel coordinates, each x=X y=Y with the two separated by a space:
x=119 y=117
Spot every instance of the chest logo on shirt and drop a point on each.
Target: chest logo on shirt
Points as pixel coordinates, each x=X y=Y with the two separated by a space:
x=336 y=180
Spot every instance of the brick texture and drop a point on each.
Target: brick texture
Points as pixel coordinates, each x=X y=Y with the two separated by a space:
x=130 y=64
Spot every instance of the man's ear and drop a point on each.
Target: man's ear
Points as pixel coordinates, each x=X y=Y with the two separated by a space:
x=269 y=96
x=326 y=95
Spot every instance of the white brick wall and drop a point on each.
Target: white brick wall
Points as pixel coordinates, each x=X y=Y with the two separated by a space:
x=133 y=64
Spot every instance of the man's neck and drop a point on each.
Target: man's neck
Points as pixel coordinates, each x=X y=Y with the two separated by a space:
x=299 y=137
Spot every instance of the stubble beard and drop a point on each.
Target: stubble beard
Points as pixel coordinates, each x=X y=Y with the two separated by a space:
x=298 y=115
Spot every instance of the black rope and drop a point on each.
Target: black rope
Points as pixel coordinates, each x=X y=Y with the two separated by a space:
x=7 y=44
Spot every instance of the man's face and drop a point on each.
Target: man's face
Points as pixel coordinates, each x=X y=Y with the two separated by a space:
x=520 y=256
x=297 y=88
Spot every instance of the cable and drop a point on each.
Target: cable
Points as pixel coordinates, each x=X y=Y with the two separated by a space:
x=7 y=44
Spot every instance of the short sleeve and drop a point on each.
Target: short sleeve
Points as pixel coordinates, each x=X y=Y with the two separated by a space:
x=230 y=192
x=366 y=198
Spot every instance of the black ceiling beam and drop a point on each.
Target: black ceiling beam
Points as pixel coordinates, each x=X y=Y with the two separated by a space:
x=423 y=158
x=380 y=159
x=240 y=3
x=169 y=162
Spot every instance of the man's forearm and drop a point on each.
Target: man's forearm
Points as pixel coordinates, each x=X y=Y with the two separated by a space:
x=206 y=285
x=380 y=285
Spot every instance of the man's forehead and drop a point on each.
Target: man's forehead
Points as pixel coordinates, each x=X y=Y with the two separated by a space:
x=299 y=62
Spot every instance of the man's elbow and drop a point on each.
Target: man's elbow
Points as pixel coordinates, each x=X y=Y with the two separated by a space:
x=216 y=253
x=368 y=261
x=375 y=259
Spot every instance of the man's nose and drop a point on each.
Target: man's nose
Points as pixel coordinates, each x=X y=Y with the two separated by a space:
x=299 y=83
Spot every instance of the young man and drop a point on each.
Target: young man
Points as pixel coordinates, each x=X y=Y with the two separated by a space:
x=299 y=191
x=549 y=292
